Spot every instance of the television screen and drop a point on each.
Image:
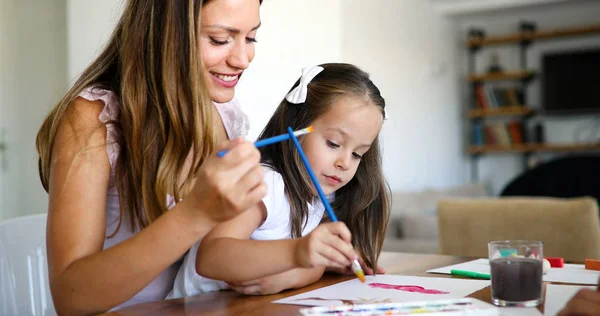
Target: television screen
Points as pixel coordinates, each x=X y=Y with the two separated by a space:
x=571 y=82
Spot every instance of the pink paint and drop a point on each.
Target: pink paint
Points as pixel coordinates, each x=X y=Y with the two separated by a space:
x=407 y=288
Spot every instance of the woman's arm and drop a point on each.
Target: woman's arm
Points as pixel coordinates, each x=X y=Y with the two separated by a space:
x=85 y=279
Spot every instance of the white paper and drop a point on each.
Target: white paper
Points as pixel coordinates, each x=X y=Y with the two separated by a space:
x=570 y=273
x=519 y=311
x=557 y=296
x=355 y=292
x=479 y=265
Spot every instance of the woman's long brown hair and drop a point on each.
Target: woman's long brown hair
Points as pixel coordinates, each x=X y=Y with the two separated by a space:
x=364 y=203
x=152 y=62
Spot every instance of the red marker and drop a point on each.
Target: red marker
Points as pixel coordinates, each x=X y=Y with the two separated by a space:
x=556 y=262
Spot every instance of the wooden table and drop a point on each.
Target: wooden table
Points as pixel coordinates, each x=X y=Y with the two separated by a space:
x=232 y=303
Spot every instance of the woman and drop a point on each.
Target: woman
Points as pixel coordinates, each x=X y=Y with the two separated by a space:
x=134 y=138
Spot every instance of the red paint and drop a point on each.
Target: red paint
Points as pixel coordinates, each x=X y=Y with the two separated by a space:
x=407 y=288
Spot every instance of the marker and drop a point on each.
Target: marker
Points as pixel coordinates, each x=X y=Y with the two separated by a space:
x=470 y=274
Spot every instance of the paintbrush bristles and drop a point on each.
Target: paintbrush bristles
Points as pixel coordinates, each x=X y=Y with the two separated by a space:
x=304 y=131
x=275 y=139
x=357 y=269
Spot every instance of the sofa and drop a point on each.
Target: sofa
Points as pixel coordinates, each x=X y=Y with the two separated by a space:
x=568 y=227
x=413 y=224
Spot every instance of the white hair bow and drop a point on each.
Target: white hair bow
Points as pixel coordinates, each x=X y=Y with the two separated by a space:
x=299 y=93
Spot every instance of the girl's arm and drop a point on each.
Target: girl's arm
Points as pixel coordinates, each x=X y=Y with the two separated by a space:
x=227 y=254
x=85 y=279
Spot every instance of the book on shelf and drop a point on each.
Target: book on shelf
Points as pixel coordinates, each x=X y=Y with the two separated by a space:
x=489 y=97
x=504 y=134
x=477 y=135
x=515 y=129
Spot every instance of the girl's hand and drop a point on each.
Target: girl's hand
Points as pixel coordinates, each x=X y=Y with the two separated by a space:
x=328 y=245
x=228 y=185
x=348 y=270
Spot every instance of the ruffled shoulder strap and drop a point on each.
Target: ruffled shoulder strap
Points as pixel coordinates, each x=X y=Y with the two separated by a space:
x=108 y=116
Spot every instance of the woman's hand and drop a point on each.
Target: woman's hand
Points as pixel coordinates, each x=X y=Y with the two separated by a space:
x=585 y=302
x=263 y=286
x=228 y=185
x=328 y=245
x=348 y=270
x=291 y=279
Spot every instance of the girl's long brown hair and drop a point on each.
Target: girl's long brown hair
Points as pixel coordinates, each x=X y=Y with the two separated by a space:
x=152 y=63
x=364 y=203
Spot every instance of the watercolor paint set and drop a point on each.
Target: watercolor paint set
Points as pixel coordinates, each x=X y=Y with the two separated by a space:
x=463 y=306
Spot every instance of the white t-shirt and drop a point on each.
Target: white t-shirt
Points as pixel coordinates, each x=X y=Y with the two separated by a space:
x=276 y=226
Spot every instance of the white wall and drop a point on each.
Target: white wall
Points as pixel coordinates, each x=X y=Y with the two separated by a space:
x=287 y=40
x=8 y=44
x=293 y=35
x=411 y=53
x=498 y=170
x=414 y=55
x=409 y=49
x=33 y=67
x=462 y=7
x=89 y=25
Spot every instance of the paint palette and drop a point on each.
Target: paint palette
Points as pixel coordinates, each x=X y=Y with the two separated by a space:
x=463 y=306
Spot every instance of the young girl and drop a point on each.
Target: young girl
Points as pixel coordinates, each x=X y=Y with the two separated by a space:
x=135 y=135
x=346 y=111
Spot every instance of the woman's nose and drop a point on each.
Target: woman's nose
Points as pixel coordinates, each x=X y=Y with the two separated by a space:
x=239 y=56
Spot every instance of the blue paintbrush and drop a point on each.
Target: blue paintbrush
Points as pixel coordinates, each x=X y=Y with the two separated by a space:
x=275 y=139
x=355 y=265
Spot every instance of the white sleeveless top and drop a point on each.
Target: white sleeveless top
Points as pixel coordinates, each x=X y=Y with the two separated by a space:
x=236 y=124
x=276 y=226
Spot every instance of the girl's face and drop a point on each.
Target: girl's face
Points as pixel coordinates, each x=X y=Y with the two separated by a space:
x=227 y=37
x=340 y=138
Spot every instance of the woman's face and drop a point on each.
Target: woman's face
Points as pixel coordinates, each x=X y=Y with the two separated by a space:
x=228 y=34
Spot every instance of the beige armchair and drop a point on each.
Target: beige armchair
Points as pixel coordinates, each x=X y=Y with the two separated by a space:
x=568 y=228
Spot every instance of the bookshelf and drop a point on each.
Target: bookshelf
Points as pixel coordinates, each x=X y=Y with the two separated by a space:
x=489 y=105
x=523 y=148
x=505 y=75
x=515 y=110
x=516 y=38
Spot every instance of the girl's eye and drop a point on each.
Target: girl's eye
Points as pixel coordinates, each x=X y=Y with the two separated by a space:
x=357 y=156
x=214 y=41
x=332 y=144
x=251 y=40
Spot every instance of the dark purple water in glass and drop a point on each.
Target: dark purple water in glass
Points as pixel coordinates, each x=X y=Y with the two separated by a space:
x=516 y=279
